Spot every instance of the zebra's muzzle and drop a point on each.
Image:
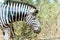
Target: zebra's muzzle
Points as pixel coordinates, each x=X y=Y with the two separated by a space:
x=38 y=30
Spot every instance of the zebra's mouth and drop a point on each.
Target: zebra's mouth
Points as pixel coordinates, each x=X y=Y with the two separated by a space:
x=36 y=29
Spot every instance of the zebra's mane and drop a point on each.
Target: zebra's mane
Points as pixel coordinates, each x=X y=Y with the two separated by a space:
x=20 y=3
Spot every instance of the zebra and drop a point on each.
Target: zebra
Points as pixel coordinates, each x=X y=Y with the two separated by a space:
x=12 y=11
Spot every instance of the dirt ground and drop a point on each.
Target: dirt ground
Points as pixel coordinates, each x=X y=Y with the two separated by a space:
x=52 y=32
x=1 y=35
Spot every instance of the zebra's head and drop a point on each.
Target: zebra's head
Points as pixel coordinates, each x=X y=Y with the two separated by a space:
x=34 y=23
x=32 y=20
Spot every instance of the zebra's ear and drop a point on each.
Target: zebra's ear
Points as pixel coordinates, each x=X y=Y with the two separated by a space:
x=36 y=11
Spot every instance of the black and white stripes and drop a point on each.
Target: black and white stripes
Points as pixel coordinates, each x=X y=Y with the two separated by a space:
x=14 y=11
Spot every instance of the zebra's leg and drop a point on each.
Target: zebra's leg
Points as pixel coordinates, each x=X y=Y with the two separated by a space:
x=12 y=33
x=5 y=32
x=8 y=30
x=34 y=23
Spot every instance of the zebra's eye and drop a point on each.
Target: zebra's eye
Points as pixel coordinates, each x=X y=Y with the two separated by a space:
x=34 y=17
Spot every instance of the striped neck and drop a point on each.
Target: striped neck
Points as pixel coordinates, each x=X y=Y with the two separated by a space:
x=16 y=11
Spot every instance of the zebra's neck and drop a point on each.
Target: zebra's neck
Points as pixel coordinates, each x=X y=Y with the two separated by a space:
x=14 y=12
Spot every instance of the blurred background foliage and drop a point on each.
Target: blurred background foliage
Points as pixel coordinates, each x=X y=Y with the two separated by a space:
x=49 y=14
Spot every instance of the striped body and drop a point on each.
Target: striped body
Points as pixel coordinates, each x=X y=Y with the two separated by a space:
x=13 y=11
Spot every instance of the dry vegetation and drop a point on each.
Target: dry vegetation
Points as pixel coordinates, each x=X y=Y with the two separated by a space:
x=49 y=16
